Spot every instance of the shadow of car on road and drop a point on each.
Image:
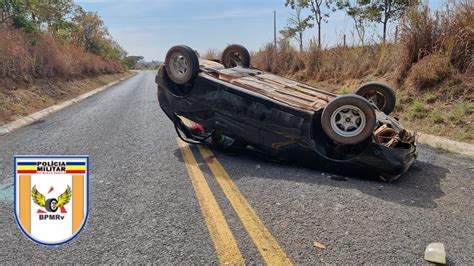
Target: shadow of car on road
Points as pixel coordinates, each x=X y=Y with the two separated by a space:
x=419 y=187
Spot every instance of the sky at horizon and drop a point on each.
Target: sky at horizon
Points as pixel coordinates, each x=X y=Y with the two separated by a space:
x=150 y=27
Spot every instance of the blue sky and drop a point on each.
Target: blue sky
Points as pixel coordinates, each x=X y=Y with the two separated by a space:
x=150 y=27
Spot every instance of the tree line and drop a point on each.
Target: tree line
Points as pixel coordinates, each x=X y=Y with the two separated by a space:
x=67 y=22
x=362 y=12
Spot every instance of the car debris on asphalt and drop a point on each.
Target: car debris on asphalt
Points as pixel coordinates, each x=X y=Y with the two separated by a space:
x=319 y=245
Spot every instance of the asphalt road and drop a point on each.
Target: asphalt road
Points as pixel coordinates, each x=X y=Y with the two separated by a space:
x=144 y=208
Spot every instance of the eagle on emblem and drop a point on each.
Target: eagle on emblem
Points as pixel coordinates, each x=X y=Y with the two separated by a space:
x=51 y=204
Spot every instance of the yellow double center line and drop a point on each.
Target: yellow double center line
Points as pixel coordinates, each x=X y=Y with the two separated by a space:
x=224 y=241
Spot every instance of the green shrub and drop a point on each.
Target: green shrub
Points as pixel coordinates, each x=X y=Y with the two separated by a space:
x=460 y=110
x=398 y=104
x=437 y=116
x=419 y=109
x=429 y=97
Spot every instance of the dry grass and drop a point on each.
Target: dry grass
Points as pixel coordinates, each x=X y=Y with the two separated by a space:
x=18 y=98
x=334 y=65
x=212 y=54
x=431 y=66
x=24 y=58
x=15 y=57
x=431 y=47
x=39 y=71
x=429 y=71
x=436 y=44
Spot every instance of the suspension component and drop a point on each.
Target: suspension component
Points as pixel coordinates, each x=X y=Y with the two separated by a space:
x=386 y=136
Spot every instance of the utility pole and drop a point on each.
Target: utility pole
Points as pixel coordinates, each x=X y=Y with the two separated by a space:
x=274 y=30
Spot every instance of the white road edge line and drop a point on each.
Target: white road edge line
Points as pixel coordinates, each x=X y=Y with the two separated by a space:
x=26 y=120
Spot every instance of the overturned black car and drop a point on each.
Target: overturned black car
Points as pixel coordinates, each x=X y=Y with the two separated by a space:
x=234 y=105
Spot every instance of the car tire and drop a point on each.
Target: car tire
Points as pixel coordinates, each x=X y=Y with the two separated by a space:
x=235 y=55
x=182 y=64
x=382 y=95
x=49 y=205
x=348 y=119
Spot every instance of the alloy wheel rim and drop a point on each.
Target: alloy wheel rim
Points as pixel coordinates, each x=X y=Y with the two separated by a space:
x=179 y=65
x=348 y=121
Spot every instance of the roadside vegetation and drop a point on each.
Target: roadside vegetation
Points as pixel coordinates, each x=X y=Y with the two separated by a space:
x=23 y=98
x=41 y=39
x=51 y=51
x=428 y=59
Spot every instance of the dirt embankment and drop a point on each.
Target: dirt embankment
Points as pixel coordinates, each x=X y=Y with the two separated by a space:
x=20 y=98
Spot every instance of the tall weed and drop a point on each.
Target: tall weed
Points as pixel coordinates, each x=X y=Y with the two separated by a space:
x=42 y=55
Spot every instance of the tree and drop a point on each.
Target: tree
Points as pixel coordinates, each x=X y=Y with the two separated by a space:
x=385 y=11
x=52 y=13
x=296 y=27
x=110 y=49
x=131 y=61
x=89 y=31
x=358 y=13
x=30 y=15
x=16 y=13
x=7 y=10
x=315 y=6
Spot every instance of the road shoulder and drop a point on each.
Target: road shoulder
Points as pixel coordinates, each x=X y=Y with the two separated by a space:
x=26 y=120
x=449 y=145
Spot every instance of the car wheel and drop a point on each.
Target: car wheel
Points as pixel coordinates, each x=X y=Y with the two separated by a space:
x=51 y=205
x=235 y=55
x=182 y=64
x=380 y=94
x=348 y=119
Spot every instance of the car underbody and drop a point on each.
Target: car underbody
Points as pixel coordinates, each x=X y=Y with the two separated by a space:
x=284 y=118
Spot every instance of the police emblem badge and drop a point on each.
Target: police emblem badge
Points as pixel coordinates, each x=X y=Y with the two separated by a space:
x=51 y=197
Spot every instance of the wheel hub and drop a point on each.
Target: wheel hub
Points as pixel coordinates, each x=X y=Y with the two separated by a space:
x=234 y=60
x=179 y=65
x=375 y=97
x=348 y=121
